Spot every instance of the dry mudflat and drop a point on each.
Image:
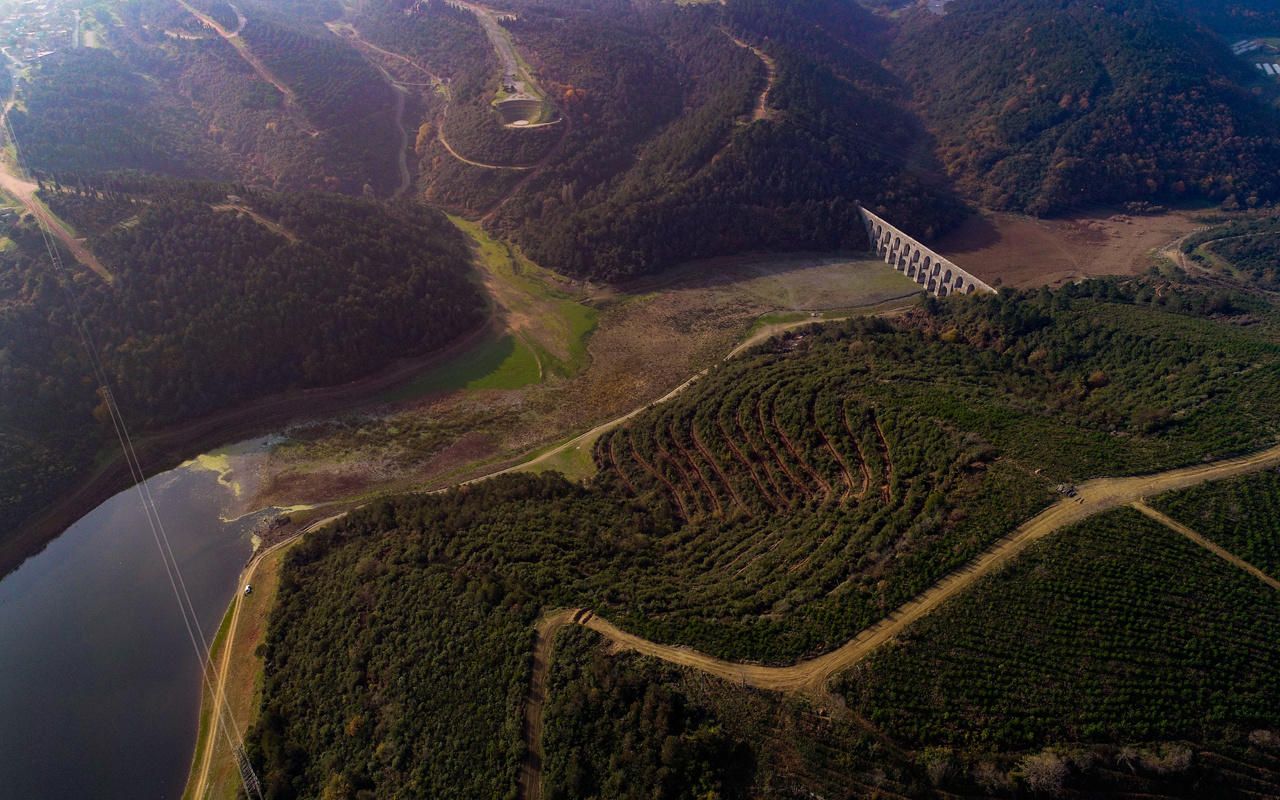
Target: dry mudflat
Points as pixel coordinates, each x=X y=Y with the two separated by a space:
x=1027 y=252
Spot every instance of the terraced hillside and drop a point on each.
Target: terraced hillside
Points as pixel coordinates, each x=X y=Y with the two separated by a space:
x=769 y=513
x=778 y=444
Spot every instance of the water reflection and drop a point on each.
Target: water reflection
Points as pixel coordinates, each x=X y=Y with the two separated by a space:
x=99 y=682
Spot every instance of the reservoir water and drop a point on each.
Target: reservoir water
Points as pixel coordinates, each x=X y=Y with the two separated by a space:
x=99 y=682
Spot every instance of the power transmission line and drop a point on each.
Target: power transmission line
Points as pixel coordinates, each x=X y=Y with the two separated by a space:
x=221 y=707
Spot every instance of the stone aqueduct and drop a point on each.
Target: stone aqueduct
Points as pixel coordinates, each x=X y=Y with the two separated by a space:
x=936 y=274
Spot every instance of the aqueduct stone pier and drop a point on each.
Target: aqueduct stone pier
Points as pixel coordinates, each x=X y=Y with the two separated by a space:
x=936 y=274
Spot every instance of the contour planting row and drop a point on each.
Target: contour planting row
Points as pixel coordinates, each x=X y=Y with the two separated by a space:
x=771 y=444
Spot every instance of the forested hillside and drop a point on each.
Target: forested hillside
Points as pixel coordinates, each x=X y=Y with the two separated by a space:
x=706 y=184
x=1042 y=106
x=334 y=84
x=1238 y=17
x=449 y=43
x=769 y=513
x=170 y=96
x=86 y=111
x=662 y=158
x=47 y=431
x=1247 y=247
x=213 y=302
x=618 y=721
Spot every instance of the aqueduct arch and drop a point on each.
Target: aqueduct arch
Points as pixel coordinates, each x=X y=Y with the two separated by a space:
x=938 y=275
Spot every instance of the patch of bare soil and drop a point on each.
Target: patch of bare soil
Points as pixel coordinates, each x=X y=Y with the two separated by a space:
x=1026 y=252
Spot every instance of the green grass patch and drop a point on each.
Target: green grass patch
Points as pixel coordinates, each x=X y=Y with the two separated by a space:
x=563 y=323
x=574 y=462
x=504 y=363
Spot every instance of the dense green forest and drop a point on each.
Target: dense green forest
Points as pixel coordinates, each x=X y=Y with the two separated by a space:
x=1242 y=515
x=213 y=303
x=334 y=84
x=85 y=110
x=620 y=720
x=787 y=500
x=47 y=431
x=658 y=160
x=315 y=290
x=1044 y=106
x=1238 y=17
x=690 y=179
x=621 y=730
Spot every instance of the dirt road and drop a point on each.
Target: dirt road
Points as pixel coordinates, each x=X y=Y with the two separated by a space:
x=771 y=73
x=1093 y=497
x=590 y=435
x=234 y=39
x=531 y=769
x=1173 y=251
x=348 y=32
x=274 y=227
x=811 y=676
x=24 y=192
x=1206 y=544
x=219 y=680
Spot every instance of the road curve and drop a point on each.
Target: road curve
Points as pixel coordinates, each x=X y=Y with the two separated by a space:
x=361 y=43
x=811 y=677
x=771 y=77
x=1093 y=497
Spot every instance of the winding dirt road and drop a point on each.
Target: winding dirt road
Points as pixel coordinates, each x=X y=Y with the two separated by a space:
x=771 y=73
x=1093 y=497
x=349 y=33
x=811 y=677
